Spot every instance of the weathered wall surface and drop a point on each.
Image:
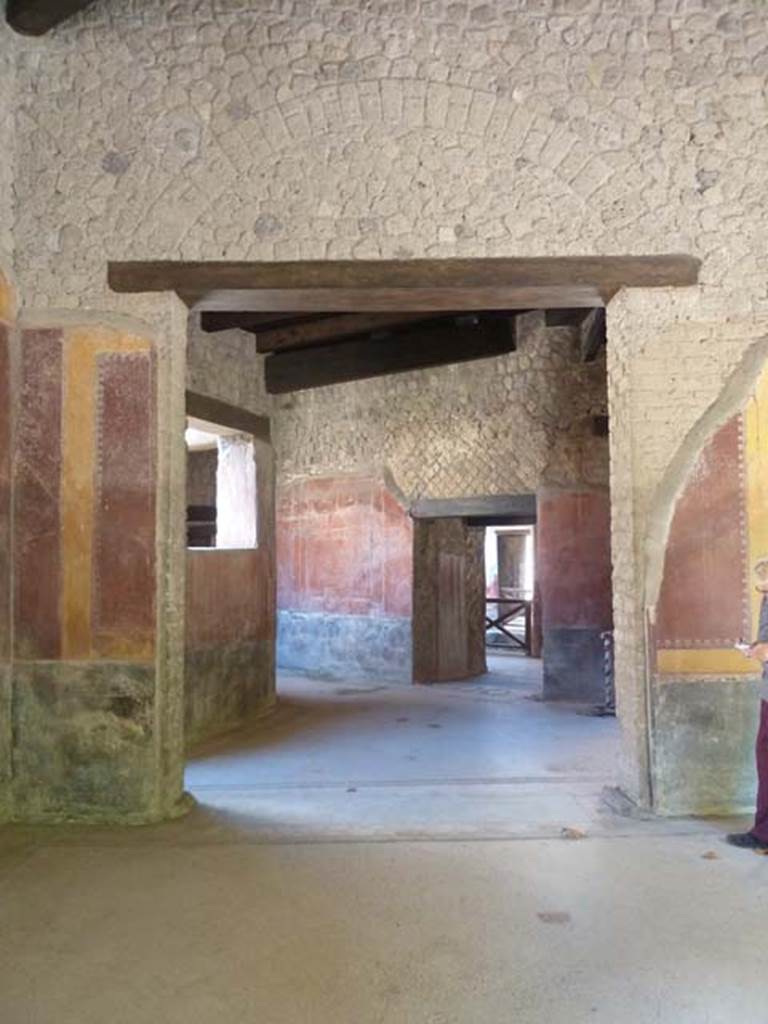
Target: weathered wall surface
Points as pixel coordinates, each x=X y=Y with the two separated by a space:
x=704 y=693
x=504 y=425
x=573 y=559
x=427 y=128
x=226 y=366
x=448 y=601
x=79 y=478
x=345 y=576
x=229 y=663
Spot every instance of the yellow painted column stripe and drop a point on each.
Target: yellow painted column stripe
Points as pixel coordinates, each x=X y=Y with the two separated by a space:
x=7 y=301
x=82 y=348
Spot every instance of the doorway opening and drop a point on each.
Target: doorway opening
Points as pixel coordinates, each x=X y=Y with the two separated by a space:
x=450 y=317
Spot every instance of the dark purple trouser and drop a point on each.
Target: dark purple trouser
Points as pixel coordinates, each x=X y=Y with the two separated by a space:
x=760 y=828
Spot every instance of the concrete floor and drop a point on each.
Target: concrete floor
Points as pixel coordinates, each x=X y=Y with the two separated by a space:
x=350 y=862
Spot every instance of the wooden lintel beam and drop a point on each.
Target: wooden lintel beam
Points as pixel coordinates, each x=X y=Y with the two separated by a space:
x=405 y=285
x=592 y=335
x=212 y=410
x=415 y=349
x=397 y=300
x=542 y=271
x=36 y=17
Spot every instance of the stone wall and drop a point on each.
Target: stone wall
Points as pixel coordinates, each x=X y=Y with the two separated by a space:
x=428 y=128
x=505 y=425
x=226 y=366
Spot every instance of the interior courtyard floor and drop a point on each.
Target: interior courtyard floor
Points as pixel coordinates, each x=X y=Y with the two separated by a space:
x=382 y=854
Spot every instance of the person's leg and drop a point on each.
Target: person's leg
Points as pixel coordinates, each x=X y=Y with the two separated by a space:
x=757 y=837
x=760 y=828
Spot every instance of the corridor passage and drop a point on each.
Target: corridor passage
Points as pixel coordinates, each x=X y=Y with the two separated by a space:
x=360 y=758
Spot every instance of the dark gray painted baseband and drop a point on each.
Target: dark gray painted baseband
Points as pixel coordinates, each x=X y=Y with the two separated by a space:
x=572 y=663
x=708 y=726
x=345 y=646
x=226 y=685
x=84 y=744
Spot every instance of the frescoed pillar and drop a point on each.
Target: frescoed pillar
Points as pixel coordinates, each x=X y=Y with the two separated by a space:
x=88 y=684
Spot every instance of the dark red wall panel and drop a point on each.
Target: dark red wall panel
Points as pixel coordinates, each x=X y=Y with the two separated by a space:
x=124 y=527
x=573 y=551
x=704 y=594
x=37 y=554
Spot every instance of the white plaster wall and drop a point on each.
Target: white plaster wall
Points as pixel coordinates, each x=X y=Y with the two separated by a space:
x=225 y=129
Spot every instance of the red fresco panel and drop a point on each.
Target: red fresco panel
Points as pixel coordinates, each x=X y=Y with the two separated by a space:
x=704 y=597
x=5 y=496
x=573 y=559
x=124 y=521
x=228 y=597
x=344 y=547
x=37 y=476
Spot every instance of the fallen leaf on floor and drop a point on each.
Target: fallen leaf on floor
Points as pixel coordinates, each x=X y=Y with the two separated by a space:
x=554 y=917
x=351 y=789
x=573 y=833
x=710 y=855
x=435 y=725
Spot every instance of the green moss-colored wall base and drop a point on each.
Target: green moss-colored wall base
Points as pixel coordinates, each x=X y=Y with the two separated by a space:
x=225 y=686
x=703 y=752
x=83 y=741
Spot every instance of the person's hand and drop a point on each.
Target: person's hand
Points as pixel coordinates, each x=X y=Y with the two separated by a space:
x=759 y=651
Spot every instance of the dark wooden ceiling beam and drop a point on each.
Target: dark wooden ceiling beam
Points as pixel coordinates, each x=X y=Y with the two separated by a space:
x=36 y=17
x=334 y=328
x=212 y=322
x=404 y=285
x=460 y=340
x=565 y=317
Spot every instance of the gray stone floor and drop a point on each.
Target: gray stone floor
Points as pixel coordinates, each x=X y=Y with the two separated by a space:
x=390 y=855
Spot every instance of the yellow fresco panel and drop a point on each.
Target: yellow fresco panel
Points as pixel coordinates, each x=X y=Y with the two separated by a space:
x=82 y=349
x=702 y=662
x=7 y=299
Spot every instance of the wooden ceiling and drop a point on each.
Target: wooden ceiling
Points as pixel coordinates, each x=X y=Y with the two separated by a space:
x=322 y=323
